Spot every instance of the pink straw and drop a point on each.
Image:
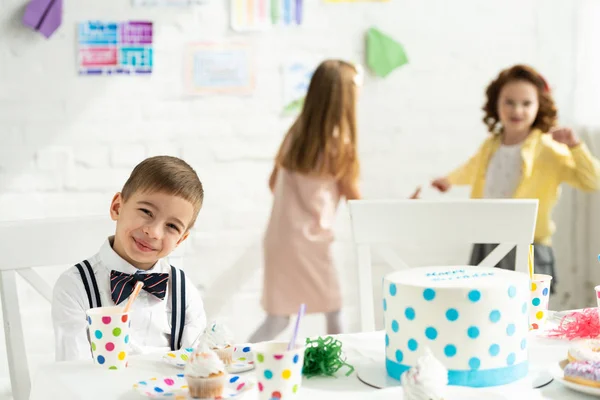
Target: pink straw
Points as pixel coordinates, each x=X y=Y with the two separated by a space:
x=295 y=335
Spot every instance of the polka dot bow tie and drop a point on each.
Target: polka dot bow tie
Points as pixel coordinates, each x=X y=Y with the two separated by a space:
x=122 y=284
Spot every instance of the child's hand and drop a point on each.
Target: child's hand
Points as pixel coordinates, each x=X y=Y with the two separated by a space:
x=416 y=194
x=565 y=136
x=441 y=184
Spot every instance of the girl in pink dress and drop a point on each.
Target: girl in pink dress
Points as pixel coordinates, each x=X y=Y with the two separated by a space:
x=317 y=165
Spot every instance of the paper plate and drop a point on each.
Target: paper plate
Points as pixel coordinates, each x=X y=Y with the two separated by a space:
x=175 y=387
x=243 y=358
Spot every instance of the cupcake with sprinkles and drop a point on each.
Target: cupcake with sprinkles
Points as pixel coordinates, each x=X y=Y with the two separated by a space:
x=220 y=340
x=205 y=374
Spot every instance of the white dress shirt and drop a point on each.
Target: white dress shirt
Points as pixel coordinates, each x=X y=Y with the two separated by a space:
x=150 y=316
x=504 y=172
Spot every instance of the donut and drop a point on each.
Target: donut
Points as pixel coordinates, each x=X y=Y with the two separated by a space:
x=583 y=372
x=584 y=350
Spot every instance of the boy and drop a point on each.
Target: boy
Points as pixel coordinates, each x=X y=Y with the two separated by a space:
x=154 y=213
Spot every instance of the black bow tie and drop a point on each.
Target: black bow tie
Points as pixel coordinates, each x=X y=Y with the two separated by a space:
x=122 y=284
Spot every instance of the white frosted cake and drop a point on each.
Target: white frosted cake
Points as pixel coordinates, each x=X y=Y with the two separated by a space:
x=474 y=320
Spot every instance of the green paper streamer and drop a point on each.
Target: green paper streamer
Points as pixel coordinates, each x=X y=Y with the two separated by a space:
x=323 y=357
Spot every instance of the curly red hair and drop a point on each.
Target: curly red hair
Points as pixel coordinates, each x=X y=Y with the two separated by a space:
x=547 y=113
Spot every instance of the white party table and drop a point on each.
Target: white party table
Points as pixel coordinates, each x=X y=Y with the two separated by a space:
x=85 y=380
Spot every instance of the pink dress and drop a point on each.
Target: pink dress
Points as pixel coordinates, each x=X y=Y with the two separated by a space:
x=298 y=264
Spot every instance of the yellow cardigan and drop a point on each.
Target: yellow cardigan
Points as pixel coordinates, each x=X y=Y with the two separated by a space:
x=546 y=164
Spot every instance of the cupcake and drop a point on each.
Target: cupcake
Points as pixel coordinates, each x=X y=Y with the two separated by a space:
x=218 y=338
x=428 y=380
x=205 y=374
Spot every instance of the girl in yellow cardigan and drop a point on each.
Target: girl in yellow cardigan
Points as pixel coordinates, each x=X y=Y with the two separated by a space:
x=525 y=156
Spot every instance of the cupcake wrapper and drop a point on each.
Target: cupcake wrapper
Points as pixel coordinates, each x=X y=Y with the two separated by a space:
x=205 y=388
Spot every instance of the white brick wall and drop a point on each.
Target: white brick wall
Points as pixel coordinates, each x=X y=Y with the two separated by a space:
x=69 y=142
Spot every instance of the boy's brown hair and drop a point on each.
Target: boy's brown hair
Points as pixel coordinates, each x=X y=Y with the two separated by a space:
x=547 y=113
x=169 y=175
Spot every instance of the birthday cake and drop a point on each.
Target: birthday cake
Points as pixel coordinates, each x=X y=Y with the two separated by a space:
x=474 y=320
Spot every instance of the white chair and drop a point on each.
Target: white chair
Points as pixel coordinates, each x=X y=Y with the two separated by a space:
x=420 y=222
x=39 y=243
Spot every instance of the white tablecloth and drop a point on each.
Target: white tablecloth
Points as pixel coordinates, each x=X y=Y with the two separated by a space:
x=84 y=380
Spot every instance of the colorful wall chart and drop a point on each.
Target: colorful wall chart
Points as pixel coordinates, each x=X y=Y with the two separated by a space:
x=296 y=79
x=219 y=68
x=255 y=15
x=115 y=47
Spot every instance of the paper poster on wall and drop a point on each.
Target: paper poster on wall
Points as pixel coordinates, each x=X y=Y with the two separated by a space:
x=219 y=68
x=115 y=47
x=256 y=15
x=177 y=3
x=296 y=79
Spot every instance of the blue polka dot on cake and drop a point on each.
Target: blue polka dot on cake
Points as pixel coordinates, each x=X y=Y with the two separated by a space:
x=473 y=332
x=450 y=350
x=474 y=295
x=510 y=360
x=495 y=316
x=494 y=350
x=431 y=333
x=510 y=329
x=512 y=291
x=412 y=345
x=452 y=314
x=399 y=356
x=429 y=294
x=474 y=363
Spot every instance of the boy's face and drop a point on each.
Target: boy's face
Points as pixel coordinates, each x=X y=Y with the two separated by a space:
x=149 y=226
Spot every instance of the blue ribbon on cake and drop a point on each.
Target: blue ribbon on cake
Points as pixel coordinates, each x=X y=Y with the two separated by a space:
x=471 y=378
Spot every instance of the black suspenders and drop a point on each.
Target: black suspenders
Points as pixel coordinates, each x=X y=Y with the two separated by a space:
x=177 y=299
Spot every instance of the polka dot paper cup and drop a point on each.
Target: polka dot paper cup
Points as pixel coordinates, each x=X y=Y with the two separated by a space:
x=278 y=371
x=540 y=294
x=109 y=336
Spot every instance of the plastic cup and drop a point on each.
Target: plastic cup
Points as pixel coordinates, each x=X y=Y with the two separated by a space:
x=540 y=295
x=278 y=370
x=108 y=329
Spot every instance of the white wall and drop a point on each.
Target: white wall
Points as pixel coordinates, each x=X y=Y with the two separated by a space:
x=69 y=142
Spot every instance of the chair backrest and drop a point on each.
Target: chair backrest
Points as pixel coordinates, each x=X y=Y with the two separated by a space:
x=39 y=243
x=508 y=222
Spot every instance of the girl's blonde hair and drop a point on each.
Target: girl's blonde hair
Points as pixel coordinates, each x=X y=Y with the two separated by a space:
x=322 y=141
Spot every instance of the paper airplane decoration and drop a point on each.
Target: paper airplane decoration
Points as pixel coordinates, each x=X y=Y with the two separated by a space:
x=44 y=16
x=384 y=54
